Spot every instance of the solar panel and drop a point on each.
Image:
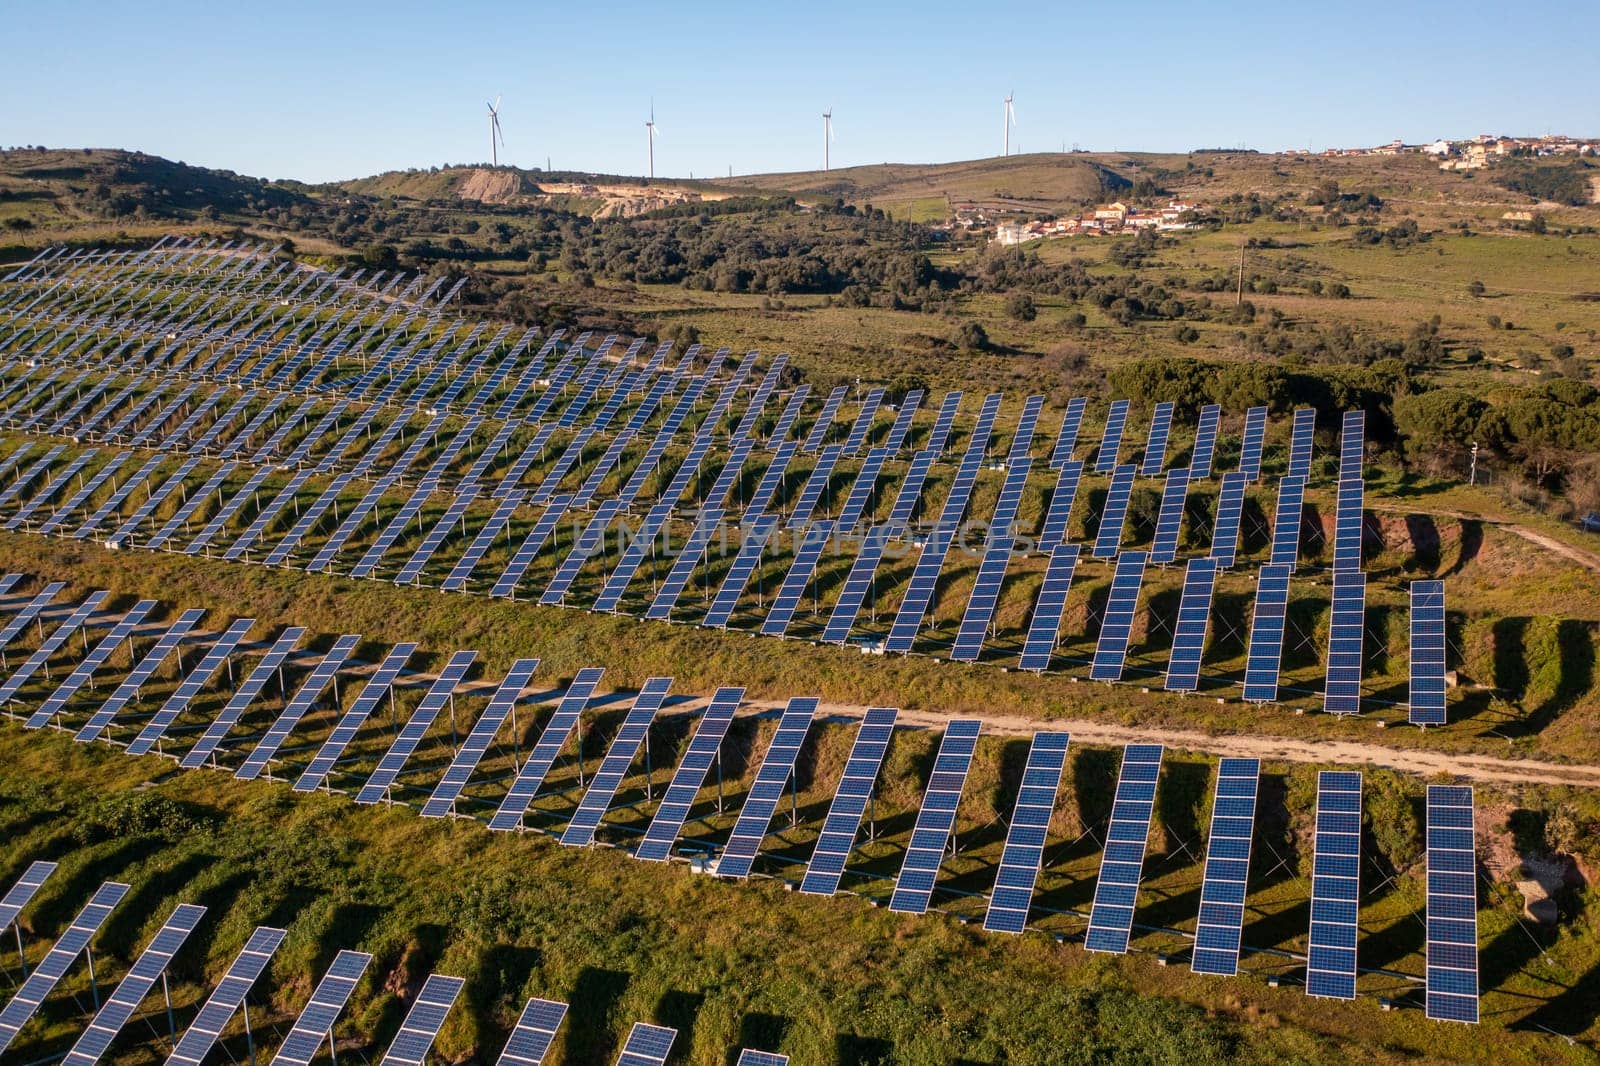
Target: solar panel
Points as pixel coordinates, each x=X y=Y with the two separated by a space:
x=543 y=756
x=1169 y=520
x=1342 y=694
x=1189 y=636
x=22 y=893
x=1026 y=834
x=807 y=554
x=936 y=818
x=1305 y=426
x=85 y=670
x=484 y=730
x=863 y=423
x=614 y=767
x=393 y=531
x=1222 y=894
x=689 y=777
x=814 y=487
x=1427 y=688
x=267 y=515
x=423 y=1021
x=46 y=494
x=777 y=766
x=1265 y=656
x=943 y=423
x=824 y=422
x=1045 y=625
x=25 y=478
x=902 y=422
x=1116 y=625
x=647 y=1045
x=1108 y=539
x=1348 y=516
x=1155 y=449
x=1335 y=886
x=179 y=481
x=1452 y=973
x=60 y=516
x=316 y=1020
x=534 y=1033
x=839 y=829
x=54 y=966
x=191 y=686
x=1116 y=892
x=1230 y=510
x=1205 y=441
x=309 y=517
x=440 y=693
x=1116 y=420
x=1255 y=433
x=744 y=564
x=684 y=565
x=297 y=707
x=136 y=984
x=905 y=501
x=246 y=694
x=983 y=601
x=856 y=585
x=379 y=685
x=52 y=644
x=1286 y=522
x=748 y=1057
x=142 y=672
x=1054 y=530
x=855 y=504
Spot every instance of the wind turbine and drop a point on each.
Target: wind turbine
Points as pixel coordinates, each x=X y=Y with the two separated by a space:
x=1009 y=119
x=494 y=132
x=827 y=136
x=650 y=135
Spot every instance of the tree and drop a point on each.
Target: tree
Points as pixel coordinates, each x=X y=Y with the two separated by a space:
x=1020 y=306
x=1475 y=288
x=971 y=336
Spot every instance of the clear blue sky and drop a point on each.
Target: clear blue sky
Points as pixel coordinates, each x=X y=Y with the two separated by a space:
x=329 y=90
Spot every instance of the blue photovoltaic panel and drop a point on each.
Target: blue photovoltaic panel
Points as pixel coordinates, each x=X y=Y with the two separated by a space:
x=1116 y=892
x=70 y=507
x=614 y=767
x=319 y=679
x=786 y=420
x=744 y=564
x=816 y=484
x=983 y=601
x=1022 y=440
x=227 y=511
x=777 y=766
x=591 y=540
x=1452 y=975
x=1348 y=517
x=1222 y=894
x=1054 y=530
x=824 y=422
x=392 y=532
x=748 y=1057
x=135 y=985
x=1342 y=694
x=50 y=645
x=34 y=877
x=1305 y=426
x=1067 y=440
x=1189 y=635
x=839 y=829
x=310 y=515
x=1335 y=886
x=1105 y=459
x=1286 y=522
x=416 y=727
x=1115 y=512
x=853 y=593
x=943 y=423
x=142 y=672
x=793 y=589
x=450 y=786
x=258 y=526
x=186 y=510
x=902 y=422
x=544 y=753
x=936 y=819
x=535 y=1032
x=905 y=501
x=54 y=966
x=1255 y=435
x=683 y=566
x=528 y=550
x=372 y=693
x=1045 y=625
x=1265 y=657
x=1026 y=835
x=317 y=1019
x=1230 y=510
x=421 y=1027
x=1427 y=653
x=1155 y=449
x=454 y=515
x=1116 y=626
x=83 y=673
x=855 y=504
x=191 y=686
x=1169 y=521
x=242 y=697
x=690 y=775
x=863 y=423
x=648 y=1045
x=771 y=479
x=1205 y=441
x=642 y=543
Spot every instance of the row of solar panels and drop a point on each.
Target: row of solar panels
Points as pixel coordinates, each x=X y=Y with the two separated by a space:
x=528 y=1045
x=1110 y=921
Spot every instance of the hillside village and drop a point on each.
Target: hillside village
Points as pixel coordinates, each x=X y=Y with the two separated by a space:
x=1103 y=220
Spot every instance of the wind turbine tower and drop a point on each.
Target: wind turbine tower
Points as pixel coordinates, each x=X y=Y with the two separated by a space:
x=1009 y=118
x=827 y=137
x=496 y=138
x=650 y=136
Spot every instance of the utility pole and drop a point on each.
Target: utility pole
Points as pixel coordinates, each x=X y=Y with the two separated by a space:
x=1238 y=298
x=1472 y=474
